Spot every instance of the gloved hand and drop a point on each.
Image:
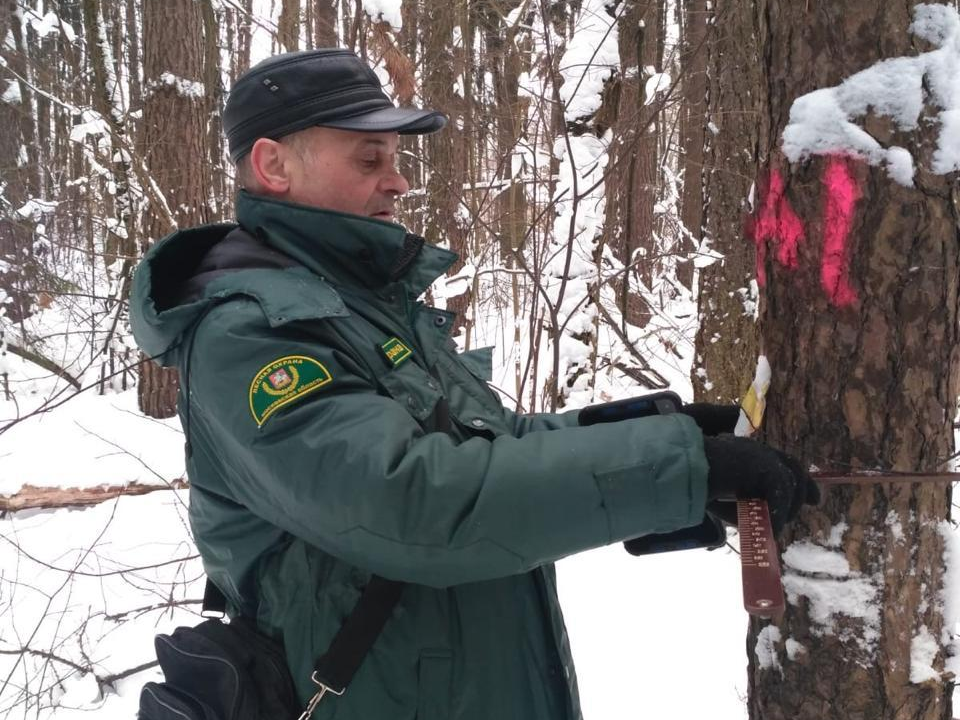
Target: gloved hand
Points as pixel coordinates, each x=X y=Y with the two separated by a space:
x=713 y=419
x=743 y=469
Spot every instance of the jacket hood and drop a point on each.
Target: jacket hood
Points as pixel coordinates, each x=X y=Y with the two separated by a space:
x=157 y=317
x=186 y=274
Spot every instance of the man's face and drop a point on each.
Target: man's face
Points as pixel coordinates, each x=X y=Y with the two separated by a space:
x=347 y=171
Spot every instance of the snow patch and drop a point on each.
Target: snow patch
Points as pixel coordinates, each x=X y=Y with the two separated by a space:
x=11 y=95
x=806 y=557
x=923 y=651
x=589 y=60
x=50 y=24
x=821 y=121
x=766 y=648
x=91 y=123
x=35 y=207
x=656 y=84
x=388 y=10
x=855 y=597
x=835 y=539
x=794 y=649
x=950 y=596
x=182 y=86
x=896 y=528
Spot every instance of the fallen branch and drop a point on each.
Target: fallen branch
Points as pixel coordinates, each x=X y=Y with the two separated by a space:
x=31 y=496
x=46 y=363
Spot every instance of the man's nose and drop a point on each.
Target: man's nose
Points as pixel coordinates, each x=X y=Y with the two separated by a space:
x=394 y=183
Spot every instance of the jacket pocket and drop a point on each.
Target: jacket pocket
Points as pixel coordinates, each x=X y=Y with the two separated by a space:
x=434 y=685
x=473 y=405
x=413 y=388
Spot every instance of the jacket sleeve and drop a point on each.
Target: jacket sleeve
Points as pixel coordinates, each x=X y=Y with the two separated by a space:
x=536 y=422
x=351 y=472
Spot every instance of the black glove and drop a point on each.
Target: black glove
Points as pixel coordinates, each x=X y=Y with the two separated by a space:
x=713 y=419
x=743 y=469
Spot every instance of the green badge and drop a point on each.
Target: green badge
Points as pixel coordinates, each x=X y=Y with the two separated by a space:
x=395 y=351
x=283 y=381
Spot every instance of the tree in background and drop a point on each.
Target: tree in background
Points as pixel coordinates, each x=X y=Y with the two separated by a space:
x=173 y=144
x=20 y=166
x=633 y=181
x=721 y=164
x=859 y=263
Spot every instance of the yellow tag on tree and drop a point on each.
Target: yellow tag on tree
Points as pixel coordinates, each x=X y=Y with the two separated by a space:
x=754 y=402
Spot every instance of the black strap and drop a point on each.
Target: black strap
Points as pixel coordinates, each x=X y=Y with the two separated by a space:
x=356 y=636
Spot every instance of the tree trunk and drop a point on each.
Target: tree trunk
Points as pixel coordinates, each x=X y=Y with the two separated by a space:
x=632 y=180
x=865 y=376
x=447 y=151
x=18 y=266
x=325 y=23
x=288 y=26
x=174 y=142
x=726 y=342
x=693 y=64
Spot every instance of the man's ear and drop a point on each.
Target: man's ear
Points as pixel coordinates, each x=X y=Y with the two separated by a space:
x=269 y=163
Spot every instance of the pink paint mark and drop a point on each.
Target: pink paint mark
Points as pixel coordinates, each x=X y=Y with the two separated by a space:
x=839 y=209
x=776 y=222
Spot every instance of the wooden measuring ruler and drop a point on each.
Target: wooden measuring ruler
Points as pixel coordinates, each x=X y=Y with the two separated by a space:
x=759 y=556
x=759 y=560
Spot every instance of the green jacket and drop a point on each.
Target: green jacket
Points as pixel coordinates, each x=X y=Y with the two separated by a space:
x=312 y=383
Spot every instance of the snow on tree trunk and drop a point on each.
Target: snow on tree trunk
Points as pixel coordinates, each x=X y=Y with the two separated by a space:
x=859 y=310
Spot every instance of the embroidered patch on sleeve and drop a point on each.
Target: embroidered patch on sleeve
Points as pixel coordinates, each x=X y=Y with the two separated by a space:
x=395 y=351
x=283 y=381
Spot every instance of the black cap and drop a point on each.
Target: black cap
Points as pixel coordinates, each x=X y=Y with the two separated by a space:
x=328 y=87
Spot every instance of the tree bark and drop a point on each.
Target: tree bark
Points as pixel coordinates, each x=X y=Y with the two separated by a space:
x=863 y=379
x=446 y=152
x=174 y=146
x=693 y=64
x=19 y=268
x=632 y=182
x=325 y=23
x=726 y=341
x=288 y=27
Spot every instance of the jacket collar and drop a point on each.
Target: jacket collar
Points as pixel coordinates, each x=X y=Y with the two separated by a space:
x=340 y=247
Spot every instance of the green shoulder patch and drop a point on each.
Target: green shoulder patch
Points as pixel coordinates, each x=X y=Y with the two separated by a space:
x=281 y=382
x=395 y=351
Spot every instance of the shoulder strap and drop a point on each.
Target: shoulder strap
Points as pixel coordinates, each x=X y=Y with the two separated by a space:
x=336 y=668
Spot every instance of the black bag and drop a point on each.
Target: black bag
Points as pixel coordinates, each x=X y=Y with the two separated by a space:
x=218 y=671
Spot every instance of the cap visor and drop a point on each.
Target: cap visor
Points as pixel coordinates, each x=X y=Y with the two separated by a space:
x=406 y=121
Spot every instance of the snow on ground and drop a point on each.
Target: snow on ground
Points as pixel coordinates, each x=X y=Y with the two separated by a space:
x=91 y=587
x=659 y=637
x=90 y=440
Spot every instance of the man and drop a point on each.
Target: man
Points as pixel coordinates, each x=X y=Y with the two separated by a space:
x=334 y=433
